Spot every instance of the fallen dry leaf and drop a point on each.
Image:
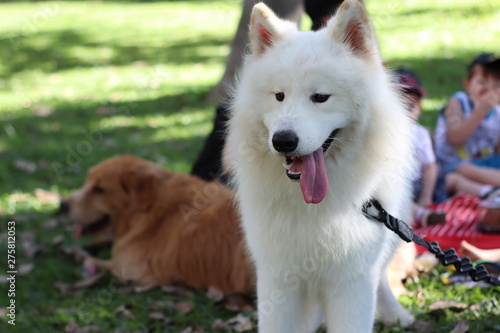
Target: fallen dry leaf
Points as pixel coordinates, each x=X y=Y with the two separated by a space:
x=462 y=327
x=25 y=269
x=184 y=307
x=142 y=288
x=50 y=224
x=195 y=329
x=57 y=240
x=72 y=327
x=66 y=288
x=157 y=316
x=159 y=305
x=178 y=290
x=72 y=289
x=122 y=310
x=215 y=294
x=238 y=302
x=441 y=305
x=240 y=323
x=78 y=253
x=154 y=307
x=89 y=281
x=126 y=290
x=219 y=324
x=30 y=249
x=26 y=166
x=424 y=326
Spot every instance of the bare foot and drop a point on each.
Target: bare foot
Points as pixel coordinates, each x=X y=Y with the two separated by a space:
x=475 y=253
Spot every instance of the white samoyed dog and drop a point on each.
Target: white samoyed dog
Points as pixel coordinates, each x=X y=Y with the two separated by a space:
x=317 y=129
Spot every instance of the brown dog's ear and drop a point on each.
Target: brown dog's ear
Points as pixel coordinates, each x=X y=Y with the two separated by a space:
x=141 y=186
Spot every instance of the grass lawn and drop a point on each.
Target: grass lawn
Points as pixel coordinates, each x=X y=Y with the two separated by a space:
x=81 y=81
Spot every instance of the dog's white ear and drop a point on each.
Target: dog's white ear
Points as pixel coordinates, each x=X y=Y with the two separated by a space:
x=352 y=27
x=265 y=28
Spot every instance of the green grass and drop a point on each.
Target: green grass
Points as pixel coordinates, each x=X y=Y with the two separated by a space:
x=83 y=81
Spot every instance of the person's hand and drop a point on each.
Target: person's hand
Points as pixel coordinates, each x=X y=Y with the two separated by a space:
x=488 y=98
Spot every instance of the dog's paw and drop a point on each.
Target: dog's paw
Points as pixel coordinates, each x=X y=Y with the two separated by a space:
x=90 y=266
x=398 y=318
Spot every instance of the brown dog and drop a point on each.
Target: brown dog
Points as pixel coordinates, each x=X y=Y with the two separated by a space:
x=168 y=227
x=171 y=227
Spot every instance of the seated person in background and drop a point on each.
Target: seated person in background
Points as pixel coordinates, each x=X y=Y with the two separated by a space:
x=425 y=175
x=467 y=132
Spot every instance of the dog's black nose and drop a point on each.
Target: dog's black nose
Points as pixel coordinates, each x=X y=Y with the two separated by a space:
x=285 y=141
x=63 y=207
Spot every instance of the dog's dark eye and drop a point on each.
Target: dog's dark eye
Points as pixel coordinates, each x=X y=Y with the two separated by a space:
x=97 y=189
x=319 y=98
x=280 y=96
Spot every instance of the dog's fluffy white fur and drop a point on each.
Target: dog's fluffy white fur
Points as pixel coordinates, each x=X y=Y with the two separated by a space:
x=324 y=260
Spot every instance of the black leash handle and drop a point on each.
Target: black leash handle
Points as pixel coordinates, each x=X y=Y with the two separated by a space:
x=446 y=257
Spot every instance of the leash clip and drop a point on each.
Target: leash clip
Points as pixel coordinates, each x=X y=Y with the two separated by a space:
x=374 y=205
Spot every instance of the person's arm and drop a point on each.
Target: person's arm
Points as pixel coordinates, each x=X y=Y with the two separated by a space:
x=429 y=177
x=458 y=128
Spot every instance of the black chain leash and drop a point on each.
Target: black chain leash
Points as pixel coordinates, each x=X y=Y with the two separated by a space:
x=446 y=257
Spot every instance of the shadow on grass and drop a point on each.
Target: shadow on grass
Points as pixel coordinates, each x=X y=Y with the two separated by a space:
x=64 y=49
x=66 y=143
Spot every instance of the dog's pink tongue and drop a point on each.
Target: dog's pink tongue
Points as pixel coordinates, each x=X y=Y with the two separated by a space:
x=313 y=178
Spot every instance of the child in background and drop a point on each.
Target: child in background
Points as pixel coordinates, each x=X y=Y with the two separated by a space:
x=468 y=131
x=425 y=175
